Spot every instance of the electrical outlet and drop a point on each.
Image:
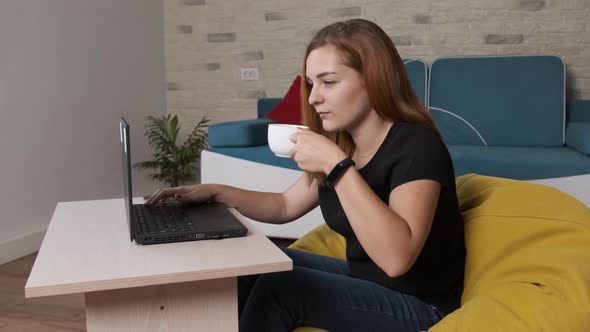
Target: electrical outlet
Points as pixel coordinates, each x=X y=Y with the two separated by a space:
x=249 y=74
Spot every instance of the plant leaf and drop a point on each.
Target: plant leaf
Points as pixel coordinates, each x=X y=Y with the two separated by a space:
x=173 y=164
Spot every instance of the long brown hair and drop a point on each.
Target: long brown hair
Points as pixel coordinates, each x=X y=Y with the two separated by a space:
x=366 y=48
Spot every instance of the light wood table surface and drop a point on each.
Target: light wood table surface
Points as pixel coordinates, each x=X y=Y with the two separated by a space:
x=184 y=286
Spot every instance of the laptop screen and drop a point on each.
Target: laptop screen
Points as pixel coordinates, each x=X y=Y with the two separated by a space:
x=126 y=154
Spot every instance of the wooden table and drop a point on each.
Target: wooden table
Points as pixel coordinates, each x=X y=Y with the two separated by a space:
x=128 y=287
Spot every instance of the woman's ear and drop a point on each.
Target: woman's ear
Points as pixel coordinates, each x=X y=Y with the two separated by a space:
x=363 y=82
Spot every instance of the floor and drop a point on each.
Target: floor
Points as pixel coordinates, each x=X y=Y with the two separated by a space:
x=47 y=314
x=56 y=313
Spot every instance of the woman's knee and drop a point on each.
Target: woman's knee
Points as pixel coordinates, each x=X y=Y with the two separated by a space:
x=278 y=284
x=299 y=258
x=276 y=280
x=317 y=262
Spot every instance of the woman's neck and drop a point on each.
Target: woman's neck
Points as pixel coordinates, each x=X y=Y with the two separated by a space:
x=369 y=135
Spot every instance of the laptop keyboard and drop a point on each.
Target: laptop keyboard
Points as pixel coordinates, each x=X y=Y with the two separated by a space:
x=162 y=220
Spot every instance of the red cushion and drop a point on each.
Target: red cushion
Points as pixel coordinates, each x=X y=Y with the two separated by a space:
x=288 y=111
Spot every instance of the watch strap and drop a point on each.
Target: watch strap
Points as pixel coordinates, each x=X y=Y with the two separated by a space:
x=337 y=172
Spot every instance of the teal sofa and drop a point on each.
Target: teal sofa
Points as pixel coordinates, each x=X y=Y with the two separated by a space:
x=504 y=116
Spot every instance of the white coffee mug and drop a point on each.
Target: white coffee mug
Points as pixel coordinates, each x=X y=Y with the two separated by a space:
x=279 y=138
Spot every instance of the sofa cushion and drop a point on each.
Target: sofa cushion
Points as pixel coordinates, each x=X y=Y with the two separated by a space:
x=499 y=100
x=288 y=111
x=523 y=163
x=239 y=133
x=417 y=71
x=260 y=154
x=510 y=162
x=577 y=135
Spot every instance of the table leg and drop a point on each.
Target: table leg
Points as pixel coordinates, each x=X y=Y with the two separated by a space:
x=207 y=305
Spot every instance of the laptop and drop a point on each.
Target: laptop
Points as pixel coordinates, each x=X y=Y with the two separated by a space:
x=173 y=222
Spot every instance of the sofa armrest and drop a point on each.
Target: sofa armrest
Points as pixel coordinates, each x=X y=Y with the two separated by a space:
x=265 y=105
x=577 y=132
x=577 y=136
x=239 y=133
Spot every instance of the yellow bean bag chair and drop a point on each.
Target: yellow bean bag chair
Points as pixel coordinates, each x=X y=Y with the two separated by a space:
x=528 y=258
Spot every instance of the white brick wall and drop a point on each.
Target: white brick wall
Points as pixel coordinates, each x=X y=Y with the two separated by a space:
x=207 y=41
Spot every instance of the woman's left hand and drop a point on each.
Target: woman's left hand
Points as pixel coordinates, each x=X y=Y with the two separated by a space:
x=314 y=152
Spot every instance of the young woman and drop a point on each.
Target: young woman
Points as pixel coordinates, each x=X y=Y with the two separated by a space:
x=383 y=178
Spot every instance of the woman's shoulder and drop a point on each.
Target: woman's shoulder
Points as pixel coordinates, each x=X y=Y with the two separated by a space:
x=417 y=132
x=419 y=141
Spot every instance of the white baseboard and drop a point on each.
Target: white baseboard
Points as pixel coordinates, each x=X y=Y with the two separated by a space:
x=21 y=245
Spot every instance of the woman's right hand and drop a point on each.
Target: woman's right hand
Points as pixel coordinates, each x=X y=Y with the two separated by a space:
x=197 y=193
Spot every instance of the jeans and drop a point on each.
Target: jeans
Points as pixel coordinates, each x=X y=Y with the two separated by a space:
x=319 y=293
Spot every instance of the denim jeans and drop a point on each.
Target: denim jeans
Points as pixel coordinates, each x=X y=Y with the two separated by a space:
x=319 y=293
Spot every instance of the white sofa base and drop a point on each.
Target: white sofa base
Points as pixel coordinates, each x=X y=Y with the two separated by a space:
x=218 y=168
x=577 y=186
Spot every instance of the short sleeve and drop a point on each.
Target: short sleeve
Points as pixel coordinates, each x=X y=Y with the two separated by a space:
x=424 y=156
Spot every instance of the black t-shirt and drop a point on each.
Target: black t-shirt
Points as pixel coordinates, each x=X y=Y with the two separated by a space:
x=410 y=152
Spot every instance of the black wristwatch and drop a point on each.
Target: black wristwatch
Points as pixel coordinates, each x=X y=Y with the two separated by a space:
x=337 y=172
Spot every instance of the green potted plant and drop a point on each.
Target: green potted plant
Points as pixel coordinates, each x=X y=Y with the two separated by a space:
x=173 y=164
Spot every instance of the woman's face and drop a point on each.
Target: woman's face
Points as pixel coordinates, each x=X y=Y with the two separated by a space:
x=338 y=92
